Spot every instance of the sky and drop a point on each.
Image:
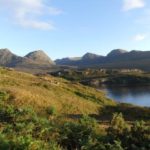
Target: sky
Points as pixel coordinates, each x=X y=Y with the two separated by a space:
x=68 y=28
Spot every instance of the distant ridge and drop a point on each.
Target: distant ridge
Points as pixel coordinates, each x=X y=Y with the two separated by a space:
x=33 y=62
x=116 y=52
x=37 y=61
x=116 y=59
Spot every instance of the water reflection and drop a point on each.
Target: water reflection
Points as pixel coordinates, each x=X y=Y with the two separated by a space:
x=136 y=95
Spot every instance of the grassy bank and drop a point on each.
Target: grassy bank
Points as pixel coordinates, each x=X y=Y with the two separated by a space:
x=49 y=113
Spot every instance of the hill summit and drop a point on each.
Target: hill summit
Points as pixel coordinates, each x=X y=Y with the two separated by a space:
x=116 y=52
x=33 y=62
x=40 y=57
x=90 y=56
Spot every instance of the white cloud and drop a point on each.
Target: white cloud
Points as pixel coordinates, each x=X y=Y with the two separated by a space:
x=29 y=13
x=133 y=4
x=139 y=37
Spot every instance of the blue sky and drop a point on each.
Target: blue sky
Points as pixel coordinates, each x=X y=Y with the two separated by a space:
x=65 y=28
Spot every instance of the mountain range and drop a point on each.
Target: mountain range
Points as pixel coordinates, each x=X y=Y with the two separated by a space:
x=116 y=59
x=34 y=62
x=38 y=61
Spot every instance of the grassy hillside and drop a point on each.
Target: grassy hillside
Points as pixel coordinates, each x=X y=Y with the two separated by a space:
x=48 y=113
x=42 y=92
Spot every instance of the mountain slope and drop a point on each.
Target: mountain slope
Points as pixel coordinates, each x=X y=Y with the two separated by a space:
x=87 y=59
x=38 y=61
x=90 y=56
x=41 y=92
x=7 y=58
x=33 y=62
x=39 y=57
x=116 y=52
x=47 y=113
x=116 y=59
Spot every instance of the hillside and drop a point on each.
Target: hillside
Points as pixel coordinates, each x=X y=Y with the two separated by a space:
x=39 y=62
x=39 y=57
x=7 y=58
x=48 y=113
x=34 y=62
x=116 y=59
x=45 y=91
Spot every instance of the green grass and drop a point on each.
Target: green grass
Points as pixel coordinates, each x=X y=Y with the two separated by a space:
x=42 y=92
x=71 y=99
x=44 y=112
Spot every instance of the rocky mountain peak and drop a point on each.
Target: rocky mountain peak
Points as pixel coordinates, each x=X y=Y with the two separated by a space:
x=5 y=51
x=116 y=52
x=6 y=56
x=89 y=56
x=39 y=56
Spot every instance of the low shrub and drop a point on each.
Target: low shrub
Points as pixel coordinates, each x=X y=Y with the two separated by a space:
x=4 y=96
x=51 y=110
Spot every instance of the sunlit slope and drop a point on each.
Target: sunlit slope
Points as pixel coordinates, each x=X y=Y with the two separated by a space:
x=42 y=92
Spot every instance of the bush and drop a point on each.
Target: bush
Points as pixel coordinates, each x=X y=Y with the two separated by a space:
x=51 y=110
x=115 y=146
x=119 y=129
x=136 y=137
x=74 y=136
x=4 y=96
x=54 y=146
x=4 y=143
x=89 y=122
x=7 y=113
x=77 y=135
x=140 y=136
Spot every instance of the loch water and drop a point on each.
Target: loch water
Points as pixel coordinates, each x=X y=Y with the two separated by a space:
x=138 y=95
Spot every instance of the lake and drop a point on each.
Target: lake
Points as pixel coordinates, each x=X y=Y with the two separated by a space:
x=138 y=95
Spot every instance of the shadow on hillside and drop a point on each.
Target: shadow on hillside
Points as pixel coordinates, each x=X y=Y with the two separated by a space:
x=130 y=112
x=95 y=116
